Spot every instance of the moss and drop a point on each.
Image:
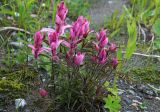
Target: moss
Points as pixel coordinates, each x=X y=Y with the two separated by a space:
x=22 y=74
x=13 y=83
x=145 y=74
x=5 y=85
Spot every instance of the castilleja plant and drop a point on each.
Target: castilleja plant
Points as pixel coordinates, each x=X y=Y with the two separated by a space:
x=84 y=64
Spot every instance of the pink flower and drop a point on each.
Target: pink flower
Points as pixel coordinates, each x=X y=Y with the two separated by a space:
x=37 y=47
x=78 y=59
x=43 y=92
x=102 y=40
x=101 y=58
x=54 y=42
x=62 y=10
x=112 y=47
x=60 y=18
x=114 y=62
x=80 y=28
x=101 y=35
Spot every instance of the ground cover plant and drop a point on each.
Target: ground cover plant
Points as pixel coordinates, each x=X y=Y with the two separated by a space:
x=55 y=58
x=83 y=63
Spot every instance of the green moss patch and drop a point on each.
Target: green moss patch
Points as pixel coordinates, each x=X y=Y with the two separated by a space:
x=145 y=74
x=14 y=83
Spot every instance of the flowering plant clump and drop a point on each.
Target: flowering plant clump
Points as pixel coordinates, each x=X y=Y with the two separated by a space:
x=84 y=63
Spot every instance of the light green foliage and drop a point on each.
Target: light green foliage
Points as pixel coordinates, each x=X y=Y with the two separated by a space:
x=119 y=57
x=143 y=106
x=156 y=27
x=115 y=23
x=8 y=84
x=156 y=30
x=112 y=102
x=132 y=33
x=22 y=12
x=77 y=8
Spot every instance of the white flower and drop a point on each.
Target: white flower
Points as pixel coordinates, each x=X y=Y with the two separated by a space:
x=43 y=5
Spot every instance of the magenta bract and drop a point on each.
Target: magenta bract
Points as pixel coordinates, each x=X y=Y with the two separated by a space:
x=78 y=59
x=112 y=47
x=60 y=17
x=43 y=92
x=114 y=62
x=37 y=47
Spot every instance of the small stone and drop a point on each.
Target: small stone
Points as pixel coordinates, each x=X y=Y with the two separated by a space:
x=129 y=111
x=135 y=105
x=127 y=100
x=132 y=92
x=16 y=44
x=157 y=98
x=148 y=97
x=135 y=101
x=20 y=103
x=43 y=80
x=120 y=91
x=137 y=98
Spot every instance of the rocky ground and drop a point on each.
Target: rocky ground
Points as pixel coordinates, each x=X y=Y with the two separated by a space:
x=134 y=98
x=138 y=97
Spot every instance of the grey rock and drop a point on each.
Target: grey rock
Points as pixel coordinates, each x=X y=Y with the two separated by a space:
x=127 y=100
x=16 y=44
x=120 y=91
x=27 y=110
x=129 y=111
x=131 y=92
x=138 y=98
x=20 y=103
x=146 y=90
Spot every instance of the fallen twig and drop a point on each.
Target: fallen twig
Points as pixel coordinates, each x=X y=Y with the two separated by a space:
x=145 y=55
x=14 y=28
x=155 y=89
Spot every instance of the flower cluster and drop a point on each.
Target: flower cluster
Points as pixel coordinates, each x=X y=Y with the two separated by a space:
x=79 y=30
x=103 y=47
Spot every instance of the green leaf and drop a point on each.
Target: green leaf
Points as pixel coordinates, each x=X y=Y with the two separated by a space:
x=132 y=33
x=119 y=57
x=156 y=27
x=106 y=84
x=112 y=103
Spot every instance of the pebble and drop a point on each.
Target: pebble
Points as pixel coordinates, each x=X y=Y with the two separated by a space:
x=127 y=100
x=144 y=89
x=157 y=98
x=138 y=98
x=136 y=101
x=20 y=103
x=132 y=92
x=17 y=44
x=129 y=111
x=120 y=91
x=135 y=105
